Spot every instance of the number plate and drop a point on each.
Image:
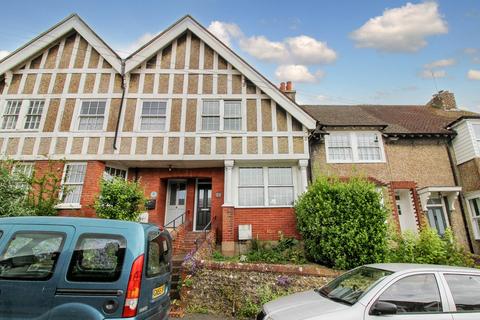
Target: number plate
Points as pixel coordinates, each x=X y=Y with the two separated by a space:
x=157 y=292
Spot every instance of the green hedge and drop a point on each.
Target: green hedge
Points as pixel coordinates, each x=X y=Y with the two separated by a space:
x=343 y=223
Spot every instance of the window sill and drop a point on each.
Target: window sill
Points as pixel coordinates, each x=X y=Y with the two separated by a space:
x=356 y=162
x=68 y=206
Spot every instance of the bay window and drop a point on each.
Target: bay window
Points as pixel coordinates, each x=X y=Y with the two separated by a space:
x=265 y=186
x=474 y=205
x=351 y=147
x=476 y=130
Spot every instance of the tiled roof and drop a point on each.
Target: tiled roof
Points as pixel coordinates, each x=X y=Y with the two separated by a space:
x=396 y=119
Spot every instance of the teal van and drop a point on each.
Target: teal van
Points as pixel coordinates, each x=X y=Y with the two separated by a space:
x=82 y=268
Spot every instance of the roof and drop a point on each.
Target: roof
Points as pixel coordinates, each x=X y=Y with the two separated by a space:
x=402 y=267
x=45 y=39
x=466 y=117
x=92 y=222
x=392 y=119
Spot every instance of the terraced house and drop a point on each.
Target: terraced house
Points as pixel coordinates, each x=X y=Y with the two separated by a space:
x=214 y=143
x=406 y=151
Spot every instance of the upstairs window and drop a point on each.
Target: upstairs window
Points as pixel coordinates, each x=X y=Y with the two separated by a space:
x=92 y=116
x=154 y=116
x=11 y=114
x=73 y=183
x=476 y=130
x=34 y=114
x=351 y=147
x=211 y=115
x=218 y=115
x=232 y=119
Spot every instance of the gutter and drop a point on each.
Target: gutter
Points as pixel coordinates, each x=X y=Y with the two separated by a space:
x=122 y=74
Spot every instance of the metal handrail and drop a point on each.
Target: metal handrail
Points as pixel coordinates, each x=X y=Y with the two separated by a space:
x=174 y=221
x=204 y=231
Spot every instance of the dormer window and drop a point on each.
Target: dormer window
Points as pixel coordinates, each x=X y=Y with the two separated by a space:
x=351 y=147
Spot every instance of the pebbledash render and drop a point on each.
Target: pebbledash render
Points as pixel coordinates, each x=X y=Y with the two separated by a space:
x=213 y=142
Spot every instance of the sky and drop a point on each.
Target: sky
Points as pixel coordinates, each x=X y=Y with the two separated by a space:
x=334 y=52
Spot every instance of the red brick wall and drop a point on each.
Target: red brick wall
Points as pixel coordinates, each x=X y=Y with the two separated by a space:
x=266 y=222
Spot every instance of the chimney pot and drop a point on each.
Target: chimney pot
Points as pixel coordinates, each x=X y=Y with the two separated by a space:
x=282 y=86
x=289 y=85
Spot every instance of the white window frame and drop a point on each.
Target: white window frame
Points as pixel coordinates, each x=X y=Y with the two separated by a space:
x=29 y=165
x=78 y=115
x=476 y=140
x=115 y=168
x=138 y=115
x=222 y=115
x=353 y=138
x=473 y=217
x=266 y=200
x=63 y=205
x=22 y=115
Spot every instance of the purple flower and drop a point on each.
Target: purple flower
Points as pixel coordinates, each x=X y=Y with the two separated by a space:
x=283 y=281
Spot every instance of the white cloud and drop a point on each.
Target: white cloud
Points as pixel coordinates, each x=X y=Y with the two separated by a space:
x=308 y=50
x=135 y=45
x=429 y=74
x=294 y=50
x=473 y=74
x=440 y=64
x=225 y=31
x=403 y=29
x=470 y=50
x=297 y=73
x=4 y=53
x=263 y=49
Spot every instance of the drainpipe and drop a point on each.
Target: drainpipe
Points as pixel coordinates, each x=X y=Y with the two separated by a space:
x=122 y=74
x=461 y=199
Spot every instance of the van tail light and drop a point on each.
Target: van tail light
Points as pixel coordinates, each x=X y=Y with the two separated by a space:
x=133 y=288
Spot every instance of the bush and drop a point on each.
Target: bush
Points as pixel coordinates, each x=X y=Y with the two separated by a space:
x=428 y=247
x=14 y=189
x=120 y=199
x=343 y=224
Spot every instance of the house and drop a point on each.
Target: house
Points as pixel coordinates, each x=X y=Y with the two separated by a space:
x=466 y=157
x=212 y=141
x=403 y=149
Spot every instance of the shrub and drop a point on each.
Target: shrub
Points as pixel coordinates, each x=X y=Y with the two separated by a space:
x=428 y=247
x=120 y=199
x=14 y=189
x=343 y=223
x=287 y=250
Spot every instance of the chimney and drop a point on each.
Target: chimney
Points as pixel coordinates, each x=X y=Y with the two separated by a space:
x=288 y=90
x=443 y=100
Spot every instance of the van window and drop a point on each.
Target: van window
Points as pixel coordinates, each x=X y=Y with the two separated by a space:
x=97 y=258
x=31 y=255
x=158 y=254
x=1 y=234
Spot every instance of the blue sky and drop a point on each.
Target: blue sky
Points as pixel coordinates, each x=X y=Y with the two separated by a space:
x=344 y=52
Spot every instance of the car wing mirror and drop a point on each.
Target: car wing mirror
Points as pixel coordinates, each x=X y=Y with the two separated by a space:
x=383 y=308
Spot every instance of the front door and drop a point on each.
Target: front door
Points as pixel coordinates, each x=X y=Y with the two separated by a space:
x=176 y=196
x=204 y=205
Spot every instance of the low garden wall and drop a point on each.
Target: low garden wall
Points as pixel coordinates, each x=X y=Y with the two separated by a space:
x=239 y=289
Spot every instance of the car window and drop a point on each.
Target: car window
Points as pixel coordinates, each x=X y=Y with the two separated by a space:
x=31 y=255
x=414 y=294
x=465 y=291
x=1 y=234
x=97 y=258
x=158 y=254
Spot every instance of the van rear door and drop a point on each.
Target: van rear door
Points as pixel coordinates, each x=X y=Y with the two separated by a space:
x=30 y=261
x=95 y=278
x=154 y=298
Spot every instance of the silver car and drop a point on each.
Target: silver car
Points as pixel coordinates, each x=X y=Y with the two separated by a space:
x=386 y=291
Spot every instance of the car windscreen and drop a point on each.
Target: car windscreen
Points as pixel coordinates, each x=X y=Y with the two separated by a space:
x=352 y=285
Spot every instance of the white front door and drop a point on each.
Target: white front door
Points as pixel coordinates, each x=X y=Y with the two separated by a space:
x=406 y=212
x=176 y=196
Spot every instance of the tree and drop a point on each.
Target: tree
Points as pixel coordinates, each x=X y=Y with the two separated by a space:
x=14 y=189
x=343 y=223
x=120 y=199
